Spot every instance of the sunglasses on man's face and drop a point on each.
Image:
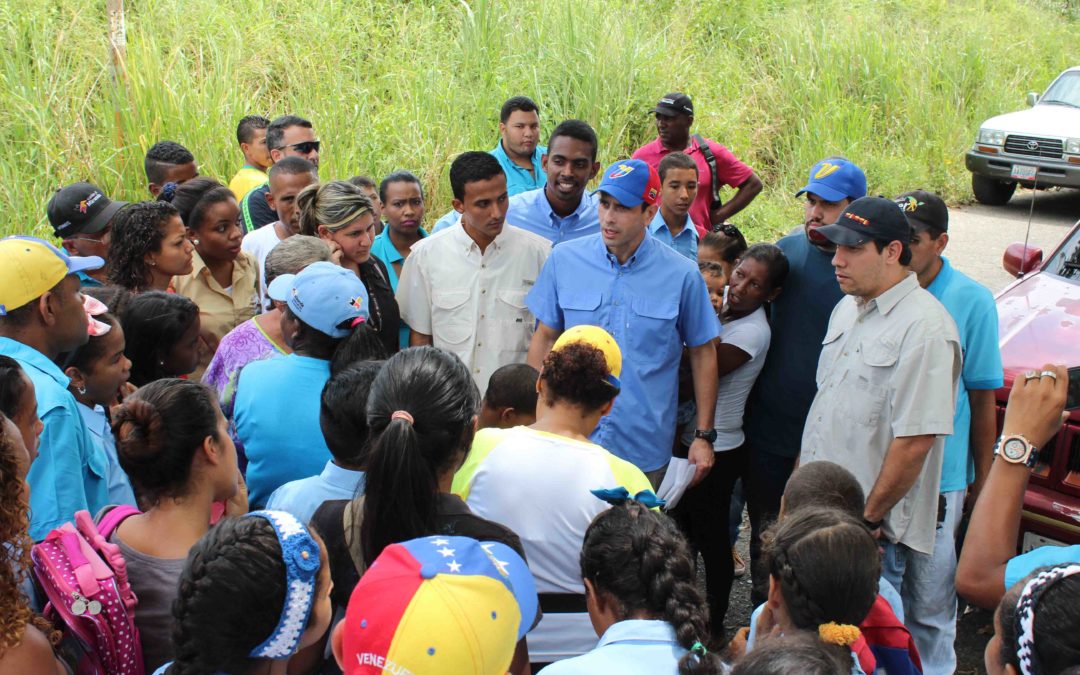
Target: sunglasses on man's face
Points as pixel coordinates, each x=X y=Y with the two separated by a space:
x=305 y=148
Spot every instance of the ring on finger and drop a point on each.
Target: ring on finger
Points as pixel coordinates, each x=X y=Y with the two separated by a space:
x=1048 y=373
x=1031 y=375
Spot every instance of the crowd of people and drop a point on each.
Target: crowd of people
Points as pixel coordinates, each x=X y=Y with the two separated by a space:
x=316 y=430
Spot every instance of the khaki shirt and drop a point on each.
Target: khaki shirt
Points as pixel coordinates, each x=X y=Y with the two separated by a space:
x=473 y=304
x=889 y=368
x=219 y=310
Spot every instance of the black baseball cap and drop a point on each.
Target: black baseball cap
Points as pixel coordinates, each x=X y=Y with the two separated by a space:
x=924 y=210
x=866 y=219
x=80 y=208
x=674 y=104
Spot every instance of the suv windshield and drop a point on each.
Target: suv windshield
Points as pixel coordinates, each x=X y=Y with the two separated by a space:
x=1064 y=91
x=1066 y=262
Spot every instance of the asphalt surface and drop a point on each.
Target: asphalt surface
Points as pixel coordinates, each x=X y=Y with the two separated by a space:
x=978 y=236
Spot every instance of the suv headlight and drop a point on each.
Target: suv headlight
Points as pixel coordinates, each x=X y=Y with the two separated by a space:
x=991 y=137
x=1072 y=146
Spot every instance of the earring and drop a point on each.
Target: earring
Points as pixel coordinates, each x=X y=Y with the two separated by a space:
x=81 y=389
x=153 y=263
x=195 y=241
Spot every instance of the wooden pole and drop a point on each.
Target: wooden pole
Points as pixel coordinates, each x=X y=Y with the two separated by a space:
x=117 y=56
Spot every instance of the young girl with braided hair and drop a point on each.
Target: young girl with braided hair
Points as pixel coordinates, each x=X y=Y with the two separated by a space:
x=641 y=591
x=1036 y=625
x=254 y=591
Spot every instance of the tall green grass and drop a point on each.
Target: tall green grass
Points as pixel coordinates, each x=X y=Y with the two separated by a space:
x=899 y=87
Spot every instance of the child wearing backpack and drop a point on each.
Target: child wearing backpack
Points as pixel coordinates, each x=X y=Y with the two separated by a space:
x=255 y=591
x=173 y=442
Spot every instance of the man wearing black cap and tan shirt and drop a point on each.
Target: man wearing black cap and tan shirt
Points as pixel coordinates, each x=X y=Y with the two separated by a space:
x=716 y=164
x=81 y=216
x=887 y=380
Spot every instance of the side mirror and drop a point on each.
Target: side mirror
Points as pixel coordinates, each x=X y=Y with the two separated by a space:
x=1019 y=260
x=1032 y=98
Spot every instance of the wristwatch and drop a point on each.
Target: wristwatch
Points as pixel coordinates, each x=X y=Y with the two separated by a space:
x=707 y=434
x=1016 y=449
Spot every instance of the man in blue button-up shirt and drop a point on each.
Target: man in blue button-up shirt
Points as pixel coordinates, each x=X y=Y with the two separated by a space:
x=519 y=151
x=653 y=301
x=42 y=316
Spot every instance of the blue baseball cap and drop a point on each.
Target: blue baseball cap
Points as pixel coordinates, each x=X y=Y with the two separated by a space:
x=834 y=179
x=328 y=298
x=631 y=181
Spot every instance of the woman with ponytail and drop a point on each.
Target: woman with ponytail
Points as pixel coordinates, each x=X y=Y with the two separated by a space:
x=339 y=213
x=643 y=598
x=422 y=413
x=173 y=443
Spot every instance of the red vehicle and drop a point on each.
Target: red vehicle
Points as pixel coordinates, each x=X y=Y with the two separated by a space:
x=1039 y=322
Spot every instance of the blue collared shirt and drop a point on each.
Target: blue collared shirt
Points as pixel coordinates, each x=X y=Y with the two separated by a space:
x=303 y=497
x=653 y=305
x=531 y=211
x=97 y=423
x=628 y=647
x=519 y=179
x=685 y=242
x=70 y=474
x=87 y=281
x=383 y=249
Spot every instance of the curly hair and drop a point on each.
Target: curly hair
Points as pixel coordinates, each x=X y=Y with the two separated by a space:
x=139 y=229
x=577 y=373
x=15 y=564
x=640 y=560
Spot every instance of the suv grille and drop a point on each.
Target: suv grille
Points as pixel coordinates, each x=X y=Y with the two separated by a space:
x=1033 y=146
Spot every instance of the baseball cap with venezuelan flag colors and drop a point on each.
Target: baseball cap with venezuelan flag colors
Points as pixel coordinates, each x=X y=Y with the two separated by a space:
x=631 y=182
x=439 y=605
x=29 y=267
x=595 y=336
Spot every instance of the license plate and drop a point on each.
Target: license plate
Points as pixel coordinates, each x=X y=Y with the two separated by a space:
x=1023 y=172
x=1033 y=541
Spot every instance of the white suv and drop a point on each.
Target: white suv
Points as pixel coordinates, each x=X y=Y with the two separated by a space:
x=1039 y=147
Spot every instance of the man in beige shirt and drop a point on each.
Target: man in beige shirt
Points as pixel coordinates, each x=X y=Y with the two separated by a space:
x=886 y=379
x=463 y=288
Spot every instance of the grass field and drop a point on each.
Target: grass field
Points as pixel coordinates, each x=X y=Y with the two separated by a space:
x=898 y=86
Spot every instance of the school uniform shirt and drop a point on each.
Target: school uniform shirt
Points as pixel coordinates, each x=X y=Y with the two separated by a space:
x=532 y=211
x=276 y=413
x=87 y=281
x=471 y=303
x=1022 y=565
x=303 y=497
x=750 y=334
x=685 y=242
x=259 y=243
x=255 y=211
x=70 y=473
x=384 y=250
x=538 y=485
x=520 y=179
x=247 y=179
x=889 y=368
x=97 y=423
x=630 y=647
x=653 y=305
x=972 y=307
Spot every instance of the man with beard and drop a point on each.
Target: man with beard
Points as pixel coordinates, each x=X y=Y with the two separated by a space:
x=519 y=150
x=799 y=317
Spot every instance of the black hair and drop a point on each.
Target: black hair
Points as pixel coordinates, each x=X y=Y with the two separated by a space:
x=12 y=386
x=827 y=566
x=366 y=182
x=116 y=298
x=772 y=256
x=710 y=267
x=292 y=165
x=245 y=129
x=193 y=198
x=577 y=373
x=471 y=167
x=399 y=177
x=436 y=389
x=231 y=596
x=343 y=413
x=139 y=229
x=85 y=355
x=275 y=133
x=513 y=386
x=639 y=560
x=1056 y=624
x=905 y=252
x=153 y=323
x=163 y=155
x=158 y=429
x=676 y=160
x=361 y=344
x=824 y=484
x=795 y=652
x=579 y=130
x=515 y=103
x=726 y=240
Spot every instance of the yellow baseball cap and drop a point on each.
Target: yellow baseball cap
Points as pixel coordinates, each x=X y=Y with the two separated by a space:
x=30 y=266
x=595 y=336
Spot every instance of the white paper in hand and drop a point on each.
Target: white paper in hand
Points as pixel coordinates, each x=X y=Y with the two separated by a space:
x=679 y=474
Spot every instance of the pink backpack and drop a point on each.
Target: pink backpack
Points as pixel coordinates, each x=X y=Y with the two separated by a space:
x=85 y=579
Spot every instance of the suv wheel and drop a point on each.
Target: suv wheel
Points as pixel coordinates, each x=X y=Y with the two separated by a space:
x=991 y=191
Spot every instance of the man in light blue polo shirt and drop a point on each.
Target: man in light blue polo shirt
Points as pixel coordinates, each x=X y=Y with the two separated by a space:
x=929 y=585
x=42 y=316
x=519 y=150
x=678 y=189
x=653 y=301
